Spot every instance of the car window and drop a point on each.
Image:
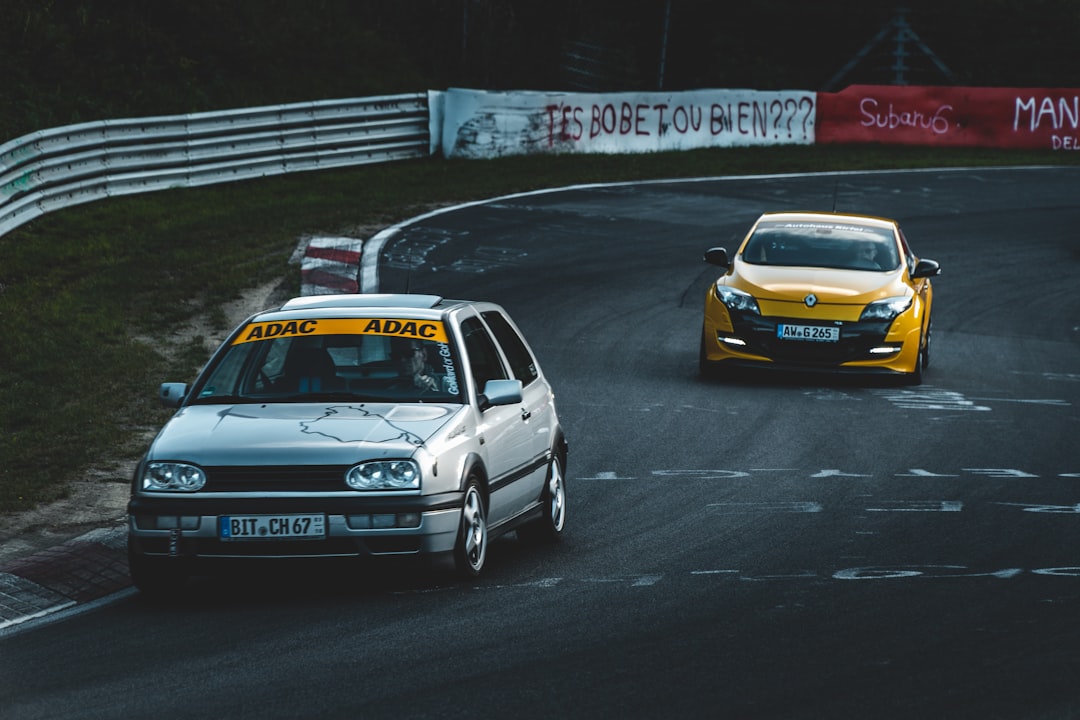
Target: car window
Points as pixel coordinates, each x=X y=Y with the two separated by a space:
x=373 y=360
x=822 y=244
x=483 y=357
x=227 y=373
x=521 y=360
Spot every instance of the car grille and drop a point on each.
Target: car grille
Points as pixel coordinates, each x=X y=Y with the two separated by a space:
x=259 y=478
x=856 y=339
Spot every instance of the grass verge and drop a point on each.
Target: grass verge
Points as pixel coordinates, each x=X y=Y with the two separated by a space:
x=91 y=297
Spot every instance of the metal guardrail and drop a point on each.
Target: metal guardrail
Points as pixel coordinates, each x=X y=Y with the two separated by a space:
x=60 y=167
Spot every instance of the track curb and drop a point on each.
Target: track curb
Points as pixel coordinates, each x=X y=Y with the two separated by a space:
x=79 y=571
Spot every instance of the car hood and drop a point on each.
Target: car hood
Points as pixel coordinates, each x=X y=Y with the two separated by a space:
x=828 y=284
x=298 y=433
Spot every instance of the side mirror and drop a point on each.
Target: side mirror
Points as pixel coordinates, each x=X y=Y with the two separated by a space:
x=172 y=394
x=925 y=268
x=500 y=392
x=717 y=256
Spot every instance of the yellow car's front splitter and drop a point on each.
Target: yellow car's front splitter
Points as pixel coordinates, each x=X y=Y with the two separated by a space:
x=723 y=345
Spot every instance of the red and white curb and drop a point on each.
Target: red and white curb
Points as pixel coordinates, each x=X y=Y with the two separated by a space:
x=329 y=265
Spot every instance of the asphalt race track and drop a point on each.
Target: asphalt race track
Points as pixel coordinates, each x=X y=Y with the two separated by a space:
x=763 y=547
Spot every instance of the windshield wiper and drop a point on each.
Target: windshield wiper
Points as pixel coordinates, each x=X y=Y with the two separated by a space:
x=222 y=400
x=339 y=396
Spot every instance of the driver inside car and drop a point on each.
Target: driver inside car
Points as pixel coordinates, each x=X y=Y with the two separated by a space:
x=410 y=359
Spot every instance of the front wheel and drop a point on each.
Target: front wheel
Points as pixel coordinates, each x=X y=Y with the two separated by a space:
x=926 y=343
x=915 y=377
x=549 y=527
x=470 y=552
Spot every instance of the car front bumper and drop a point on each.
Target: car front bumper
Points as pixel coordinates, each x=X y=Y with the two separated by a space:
x=181 y=528
x=749 y=340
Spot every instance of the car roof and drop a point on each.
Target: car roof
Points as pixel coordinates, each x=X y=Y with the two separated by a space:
x=364 y=300
x=821 y=216
x=413 y=305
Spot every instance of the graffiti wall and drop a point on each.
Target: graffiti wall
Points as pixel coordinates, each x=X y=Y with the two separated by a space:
x=490 y=124
x=480 y=124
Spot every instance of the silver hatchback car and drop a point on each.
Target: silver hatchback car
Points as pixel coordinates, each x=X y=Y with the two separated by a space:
x=352 y=426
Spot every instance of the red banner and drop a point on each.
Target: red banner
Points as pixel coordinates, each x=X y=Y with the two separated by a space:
x=1029 y=118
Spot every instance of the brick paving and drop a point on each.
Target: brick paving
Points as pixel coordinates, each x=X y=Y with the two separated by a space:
x=86 y=568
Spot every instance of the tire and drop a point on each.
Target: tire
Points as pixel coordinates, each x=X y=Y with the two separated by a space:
x=470 y=551
x=159 y=578
x=915 y=377
x=549 y=527
x=925 y=354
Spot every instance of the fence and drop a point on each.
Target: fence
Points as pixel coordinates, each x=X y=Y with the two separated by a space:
x=57 y=168
x=60 y=167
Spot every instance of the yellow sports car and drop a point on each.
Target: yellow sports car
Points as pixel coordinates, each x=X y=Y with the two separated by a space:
x=820 y=291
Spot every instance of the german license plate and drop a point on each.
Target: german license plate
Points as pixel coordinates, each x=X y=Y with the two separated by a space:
x=813 y=333
x=272 y=527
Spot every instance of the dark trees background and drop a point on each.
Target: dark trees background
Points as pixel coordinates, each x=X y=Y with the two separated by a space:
x=68 y=61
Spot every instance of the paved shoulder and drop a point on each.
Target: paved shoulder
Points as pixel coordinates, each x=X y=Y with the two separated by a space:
x=78 y=571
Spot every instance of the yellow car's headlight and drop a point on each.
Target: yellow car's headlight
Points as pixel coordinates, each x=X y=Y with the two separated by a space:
x=886 y=309
x=737 y=299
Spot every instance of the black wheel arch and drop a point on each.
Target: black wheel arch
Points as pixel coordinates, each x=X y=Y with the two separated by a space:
x=561 y=447
x=474 y=467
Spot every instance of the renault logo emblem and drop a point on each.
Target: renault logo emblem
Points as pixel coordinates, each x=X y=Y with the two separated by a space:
x=810 y=300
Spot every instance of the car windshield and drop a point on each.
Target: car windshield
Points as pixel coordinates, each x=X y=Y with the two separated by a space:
x=314 y=360
x=822 y=244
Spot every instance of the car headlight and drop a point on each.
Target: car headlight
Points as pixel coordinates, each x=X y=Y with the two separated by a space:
x=737 y=299
x=885 y=309
x=172 y=477
x=384 y=475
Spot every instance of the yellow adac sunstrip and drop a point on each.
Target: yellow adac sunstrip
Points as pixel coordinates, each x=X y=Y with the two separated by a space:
x=392 y=327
